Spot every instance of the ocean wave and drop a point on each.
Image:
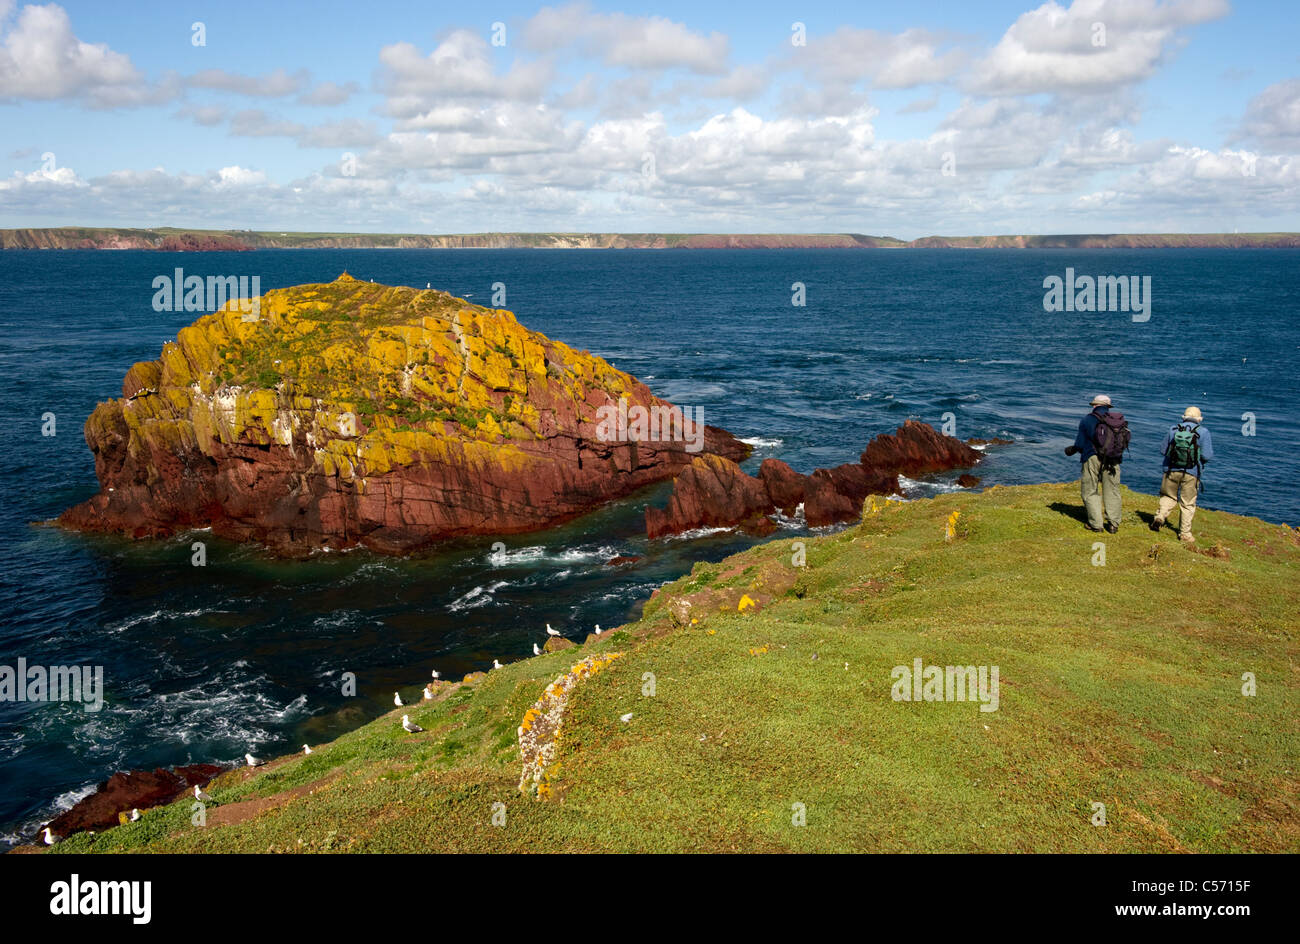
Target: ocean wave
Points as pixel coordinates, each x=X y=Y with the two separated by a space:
x=759 y=442
x=479 y=596
x=697 y=533
x=161 y=615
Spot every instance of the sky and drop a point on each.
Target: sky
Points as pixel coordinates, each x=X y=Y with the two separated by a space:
x=883 y=118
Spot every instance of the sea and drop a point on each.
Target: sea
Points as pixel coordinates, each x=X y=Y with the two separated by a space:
x=201 y=664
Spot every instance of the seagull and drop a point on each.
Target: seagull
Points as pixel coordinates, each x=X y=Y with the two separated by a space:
x=625 y=718
x=200 y=795
x=597 y=629
x=410 y=725
x=551 y=632
x=50 y=838
x=437 y=674
x=254 y=761
x=537 y=651
x=306 y=749
x=496 y=664
x=428 y=285
x=135 y=816
x=428 y=692
x=397 y=699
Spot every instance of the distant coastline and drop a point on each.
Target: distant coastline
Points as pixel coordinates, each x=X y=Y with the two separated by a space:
x=168 y=239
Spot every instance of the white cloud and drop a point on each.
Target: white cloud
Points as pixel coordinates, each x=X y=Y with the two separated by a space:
x=41 y=59
x=633 y=42
x=1273 y=117
x=1092 y=46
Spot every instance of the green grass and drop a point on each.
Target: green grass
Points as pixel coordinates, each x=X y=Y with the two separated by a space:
x=1119 y=684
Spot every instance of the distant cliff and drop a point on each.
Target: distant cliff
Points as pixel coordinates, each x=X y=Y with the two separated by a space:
x=166 y=239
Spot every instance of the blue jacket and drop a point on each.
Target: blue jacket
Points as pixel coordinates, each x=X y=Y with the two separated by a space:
x=1204 y=441
x=1083 y=441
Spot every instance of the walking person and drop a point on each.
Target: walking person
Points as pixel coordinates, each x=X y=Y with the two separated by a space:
x=1188 y=447
x=1100 y=443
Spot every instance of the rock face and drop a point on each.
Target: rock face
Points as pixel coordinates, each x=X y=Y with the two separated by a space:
x=123 y=792
x=714 y=492
x=353 y=413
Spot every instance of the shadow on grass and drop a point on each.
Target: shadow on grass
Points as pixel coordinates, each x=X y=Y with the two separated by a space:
x=1078 y=514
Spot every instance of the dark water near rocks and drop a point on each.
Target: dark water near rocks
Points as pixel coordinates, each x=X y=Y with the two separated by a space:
x=247 y=653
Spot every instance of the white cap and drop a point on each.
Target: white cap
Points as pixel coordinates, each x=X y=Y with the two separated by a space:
x=1101 y=400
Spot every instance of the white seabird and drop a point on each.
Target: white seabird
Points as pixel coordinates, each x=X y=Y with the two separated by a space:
x=597 y=629
x=50 y=838
x=551 y=632
x=135 y=816
x=537 y=650
x=437 y=674
x=254 y=761
x=306 y=749
x=428 y=692
x=625 y=718
x=410 y=725
x=200 y=795
x=496 y=664
x=397 y=699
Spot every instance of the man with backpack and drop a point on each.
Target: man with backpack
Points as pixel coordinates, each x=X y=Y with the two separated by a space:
x=1187 y=448
x=1102 y=438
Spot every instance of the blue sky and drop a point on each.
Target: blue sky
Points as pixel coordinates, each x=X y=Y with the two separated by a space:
x=898 y=119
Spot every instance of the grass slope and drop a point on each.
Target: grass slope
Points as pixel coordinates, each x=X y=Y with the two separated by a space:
x=1120 y=684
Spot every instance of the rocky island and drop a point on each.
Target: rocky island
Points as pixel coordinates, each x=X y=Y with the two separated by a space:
x=357 y=414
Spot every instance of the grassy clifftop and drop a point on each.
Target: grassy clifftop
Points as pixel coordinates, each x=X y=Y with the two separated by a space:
x=1120 y=684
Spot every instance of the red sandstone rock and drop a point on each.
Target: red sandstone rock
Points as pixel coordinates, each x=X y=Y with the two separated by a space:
x=717 y=493
x=125 y=791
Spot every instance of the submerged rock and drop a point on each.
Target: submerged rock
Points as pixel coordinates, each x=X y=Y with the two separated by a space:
x=714 y=492
x=354 y=413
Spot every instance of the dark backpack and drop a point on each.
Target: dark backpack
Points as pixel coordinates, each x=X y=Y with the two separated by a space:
x=1110 y=438
x=1184 y=450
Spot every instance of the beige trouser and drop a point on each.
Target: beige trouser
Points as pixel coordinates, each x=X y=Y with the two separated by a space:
x=1100 y=491
x=1178 y=488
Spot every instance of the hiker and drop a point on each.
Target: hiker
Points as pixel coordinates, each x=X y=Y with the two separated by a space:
x=1100 y=443
x=1187 y=448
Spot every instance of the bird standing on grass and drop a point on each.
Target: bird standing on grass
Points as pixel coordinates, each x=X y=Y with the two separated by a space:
x=135 y=816
x=254 y=761
x=496 y=664
x=397 y=699
x=537 y=651
x=306 y=749
x=50 y=838
x=410 y=725
x=200 y=795
x=597 y=629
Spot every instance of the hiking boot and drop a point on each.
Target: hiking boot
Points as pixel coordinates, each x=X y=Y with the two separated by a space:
x=1112 y=528
x=1091 y=528
x=1156 y=524
x=1187 y=538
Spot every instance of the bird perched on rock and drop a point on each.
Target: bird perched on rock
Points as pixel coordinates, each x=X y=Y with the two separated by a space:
x=496 y=664
x=597 y=629
x=254 y=761
x=410 y=725
x=397 y=699
x=537 y=650
x=551 y=632
x=306 y=749
x=200 y=795
x=50 y=838
x=428 y=692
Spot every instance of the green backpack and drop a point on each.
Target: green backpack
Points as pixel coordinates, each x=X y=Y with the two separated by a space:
x=1185 y=448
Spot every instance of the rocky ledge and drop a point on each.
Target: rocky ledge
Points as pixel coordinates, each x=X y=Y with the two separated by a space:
x=128 y=790
x=353 y=413
x=714 y=492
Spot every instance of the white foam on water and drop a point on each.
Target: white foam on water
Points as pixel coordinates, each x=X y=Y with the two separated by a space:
x=479 y=596
x=759 y=442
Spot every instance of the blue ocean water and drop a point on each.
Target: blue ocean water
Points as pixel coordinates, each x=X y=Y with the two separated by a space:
x=202 y=664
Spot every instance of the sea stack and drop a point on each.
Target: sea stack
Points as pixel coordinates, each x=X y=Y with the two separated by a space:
x=359 y=414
